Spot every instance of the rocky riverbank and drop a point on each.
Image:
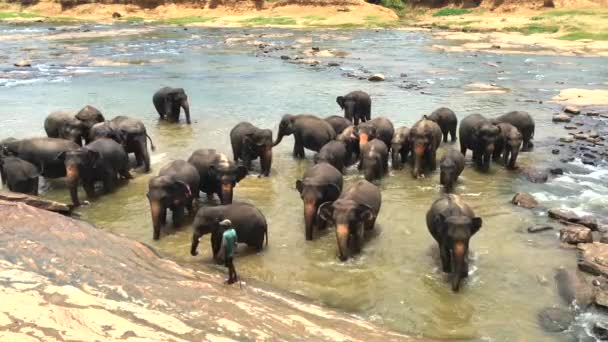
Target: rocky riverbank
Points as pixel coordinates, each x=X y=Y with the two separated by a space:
x=62 y=279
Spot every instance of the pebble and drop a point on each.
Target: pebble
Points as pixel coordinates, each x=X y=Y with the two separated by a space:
x=566 y=139
x=572 y=110
x=539 y=228
x=561 y=118
x=376 y=78
x=23 y=64
x=555 y=151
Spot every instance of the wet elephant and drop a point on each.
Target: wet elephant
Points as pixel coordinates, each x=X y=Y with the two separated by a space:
x=248 y=221
x=478 y=134
x=169 y=102
x=19 y=175
x=89 y=116
x=354 y=212
x=338 y=123
x=4 y=152
x=378 y=128
x=64 y=125
x=42 y=152
x=508 y=145
x=334 y=153
x=447 y=121
x=249 y=143
x=175 y=189
x=102 y=160
x=309 y=132
x=451 y=166
x=425 y=138
x=452 y=223
x=350 y=138
x=374 y=160
x=357 y=105
x=321 y=183
x=400 y=147
x=218 y=174
x=524 y=122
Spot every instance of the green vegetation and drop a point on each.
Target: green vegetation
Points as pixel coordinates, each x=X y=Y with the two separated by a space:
x=275 y=20
x=533 y=29
x=13 y=15
x=187 y=20
x=132 y=19
x=314 y=17
x=444 y=12
x=564 y=13
x=585 y=35
x=396 y=5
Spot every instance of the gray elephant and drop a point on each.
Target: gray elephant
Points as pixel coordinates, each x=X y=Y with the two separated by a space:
x=425 y=138
x=249 y=143
x=218 y=174
x=478 y=134
x=350 y=138
x=102 y=160
x=508 y=144
x=175 y=189
x=42 y=152
x=129 y=132
x=321 y=183
x=338 y=123
x=334 y=153
x=451 y=166
x=374 y=160
x=248 y=221
x=19 y=175
x=447 y=121
x=524 y=122
x=4 y=152
x=400 y=147
x=357 y=105
x=64 y=125
x=89 y=116
x=309 y=132
x=169 y=102
x=354 y=212
x=378 y=128
x=452 y=223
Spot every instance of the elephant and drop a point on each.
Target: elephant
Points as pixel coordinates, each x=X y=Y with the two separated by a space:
x=357 y=105
x=218 y=175
x=248 y=221
x=374 y=160
x=451 y=166
x=338 y=123
x=249 y=143
x=129 y=132
x=447 y=121
x=89 y=116
x=320 y=184
x=508 y=144
x=64 y=125
x=479 y=135
x=42 y=152
x=452 y=223
x=425 y=138
x=334 y=153
x=169 y=101
x=350 y=138
x=309 y=132
x=523 y=122
x=102 y=160
x=353 y=212
x=400 y=147
x=19 y=175
x=378 y=128
x=4 y=152
x=175 y=188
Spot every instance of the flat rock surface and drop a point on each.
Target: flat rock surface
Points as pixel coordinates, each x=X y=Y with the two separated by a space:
x=35 y=201
x=62 y=279
x=593 y=258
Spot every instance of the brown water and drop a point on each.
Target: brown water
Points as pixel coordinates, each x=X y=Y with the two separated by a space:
x=396 y=280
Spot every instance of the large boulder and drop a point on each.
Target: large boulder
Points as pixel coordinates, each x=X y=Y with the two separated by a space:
x=593 y=258
x=63 y=279
x=575 y=235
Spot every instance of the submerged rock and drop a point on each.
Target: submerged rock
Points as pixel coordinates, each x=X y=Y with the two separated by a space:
x=563 y=214
x=573 y=288
x=535 y=175
x=561 y=118
x=524 y=200
x=555 y=319
x=539 y=228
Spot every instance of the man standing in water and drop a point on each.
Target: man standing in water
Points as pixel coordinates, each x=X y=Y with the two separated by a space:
x=229 y=240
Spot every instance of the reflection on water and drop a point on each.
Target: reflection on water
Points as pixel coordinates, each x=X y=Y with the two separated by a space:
x=396 y=280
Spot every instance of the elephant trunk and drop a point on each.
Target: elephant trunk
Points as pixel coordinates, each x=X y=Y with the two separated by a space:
x=349 y=111
x=513 y=159
x=418 y=156
x=266 y=160
x=193 y=249
x=310 y=215
x=396 y=156
x=342 y=239
x=226 y=195
x=487 y=157
x=447 y=180
x=186 y=106
x=279 y=138
x=156 y=210
x=73 y=177
x=459 y=267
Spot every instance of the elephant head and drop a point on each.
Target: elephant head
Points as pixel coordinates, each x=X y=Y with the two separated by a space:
x=78 y=164
x=366 y=132
x=421 y=142
x=350 y=136
x=458 y=231
x=350 y=219
x=227 y=174
x=260 y=143
x=165 y=192
x=313 y=195
x=176 y=99
x=348 y=105
x=107 y=130
x=206 y=224
x=485 y=136
x=89 y=116
x=73 y=130
x=448 y=174
x=286 y=127
x=513 y=141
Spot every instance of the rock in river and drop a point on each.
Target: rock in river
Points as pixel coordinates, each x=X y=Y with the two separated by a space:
x=593 y=258
x=64 y=279
x=555 y=319
x=572 y=110
x=376 y=78
x=536 y=175
x=564 y=215
x=561 y=118
x=524 y=200
x=572 y=287
x=23 y=64
x=575 y=235
x=539 y=228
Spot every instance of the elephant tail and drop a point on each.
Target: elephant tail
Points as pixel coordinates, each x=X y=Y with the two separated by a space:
x=152 y=147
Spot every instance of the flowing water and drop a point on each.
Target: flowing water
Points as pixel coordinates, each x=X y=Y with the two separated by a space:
x=396 y=280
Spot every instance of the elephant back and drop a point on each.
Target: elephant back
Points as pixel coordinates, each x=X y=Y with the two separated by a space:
x=364 y=192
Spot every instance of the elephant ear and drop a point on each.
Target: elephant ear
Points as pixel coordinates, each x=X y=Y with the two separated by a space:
x=241 y=172
x=299 y=186
x=340 y=101
x=332 y=191
x=439 y=221
x=365 y=213
x=476 y=224
x=326 y=211
x=185 y=188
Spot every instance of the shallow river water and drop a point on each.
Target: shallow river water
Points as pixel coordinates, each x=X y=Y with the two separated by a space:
x=396 y=280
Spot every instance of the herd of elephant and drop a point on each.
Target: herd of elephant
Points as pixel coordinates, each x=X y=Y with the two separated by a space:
x=87 y=149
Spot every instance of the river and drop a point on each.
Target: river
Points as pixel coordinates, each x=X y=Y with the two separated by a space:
x=396 y=280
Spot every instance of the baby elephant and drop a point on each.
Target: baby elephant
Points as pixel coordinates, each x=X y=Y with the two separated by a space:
x=249 y=143
x=19 y=175
x=450 y=166
x=452 y=223
x=508 y=144
x=169 y=101
x=334 y=153
x=447 y=121
x=374 y=159
x=249 y=223
x=400 y=147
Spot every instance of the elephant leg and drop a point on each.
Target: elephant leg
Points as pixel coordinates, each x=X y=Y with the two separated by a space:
x=453 y=134
x=476 y=158
x=163 y=216
x=74 y=194
x=89 y=188
x=146 y=156
x=497 y=152
x=178 y=215
x=445 y=136
x=109 y=182
x=433 y=160
x=125 y=174
x=463 y=149
x=358 y=240
x=446 y=263
x=356 y=120
x=34 y=185
x=190 y=207
x=298 y=148
x=139 y=161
